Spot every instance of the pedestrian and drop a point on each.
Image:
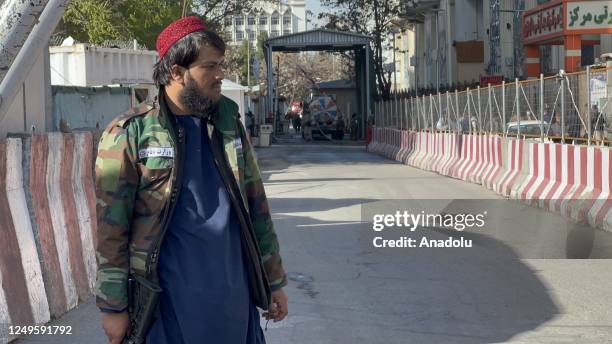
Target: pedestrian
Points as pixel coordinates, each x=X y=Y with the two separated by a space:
x=598 y=125
x=354 y=127
x=465 y=124
x=340 y=128
x=250 y=123
x=184 y=230
x=297 y=123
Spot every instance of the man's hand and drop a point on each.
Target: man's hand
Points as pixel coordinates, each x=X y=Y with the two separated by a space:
x=278 y=307
x=115 y=325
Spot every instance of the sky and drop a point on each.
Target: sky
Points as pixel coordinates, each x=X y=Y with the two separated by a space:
x=315 y=7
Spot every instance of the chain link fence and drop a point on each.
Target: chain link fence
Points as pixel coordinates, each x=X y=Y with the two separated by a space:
x=570 y=108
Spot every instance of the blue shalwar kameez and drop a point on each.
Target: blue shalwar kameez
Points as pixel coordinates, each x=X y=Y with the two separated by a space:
x=205 y=296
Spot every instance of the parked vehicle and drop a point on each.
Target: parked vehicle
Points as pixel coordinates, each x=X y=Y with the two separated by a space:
x=320 y=119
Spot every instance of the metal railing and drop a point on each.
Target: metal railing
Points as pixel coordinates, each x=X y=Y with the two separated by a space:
x=554 y=108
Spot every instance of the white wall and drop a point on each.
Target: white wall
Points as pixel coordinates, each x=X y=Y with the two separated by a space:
x=85 y=65
x=29 y=108
x=238 y=97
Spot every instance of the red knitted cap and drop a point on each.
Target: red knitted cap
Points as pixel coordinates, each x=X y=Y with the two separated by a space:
x=175 y=31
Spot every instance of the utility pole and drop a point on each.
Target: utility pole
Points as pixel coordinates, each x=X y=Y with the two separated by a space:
x=248 y=64
x=394 y=67
x=276 y=114
x=437 y=54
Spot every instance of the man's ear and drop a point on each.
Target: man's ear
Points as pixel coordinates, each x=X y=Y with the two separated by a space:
x=177 y=74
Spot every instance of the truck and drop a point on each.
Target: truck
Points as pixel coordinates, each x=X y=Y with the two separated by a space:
x=321 y=119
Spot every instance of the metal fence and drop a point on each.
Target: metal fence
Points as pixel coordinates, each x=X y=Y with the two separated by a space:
x=552 y=108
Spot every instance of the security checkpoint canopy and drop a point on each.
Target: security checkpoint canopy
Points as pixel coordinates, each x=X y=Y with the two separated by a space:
x=318 y=40
x=326 y=40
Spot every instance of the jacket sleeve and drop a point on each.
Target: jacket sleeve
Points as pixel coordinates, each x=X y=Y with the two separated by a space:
x=116 y=182
x=261 y=219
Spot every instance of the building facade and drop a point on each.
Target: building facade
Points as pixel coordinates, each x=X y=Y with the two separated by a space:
x=403 y=77
x=565 y=34
x=276 y=19
x=465 y=41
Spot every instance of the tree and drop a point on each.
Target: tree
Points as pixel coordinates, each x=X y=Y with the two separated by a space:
x=99 y=21
x=368 y=17
x=300 y=71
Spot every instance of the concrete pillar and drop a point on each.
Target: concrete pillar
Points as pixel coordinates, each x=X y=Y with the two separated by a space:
x=532 y=60
x=573 y=50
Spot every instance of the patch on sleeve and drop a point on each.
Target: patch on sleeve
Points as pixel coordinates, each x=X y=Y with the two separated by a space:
x=156 y=152
x=238 y=143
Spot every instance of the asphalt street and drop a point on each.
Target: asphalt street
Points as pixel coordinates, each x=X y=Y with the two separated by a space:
x=516 y=283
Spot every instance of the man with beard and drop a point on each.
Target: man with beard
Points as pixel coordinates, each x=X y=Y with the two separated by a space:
x=186 y=246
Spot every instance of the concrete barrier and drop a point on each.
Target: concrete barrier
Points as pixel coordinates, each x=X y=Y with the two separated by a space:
x=473 y=173
x=467 y=156
x=493 y=164
x=396 y=143
x=23 y=300
x=404 y=146
x=47 y=226
x=573 y=180
x=600 y=214
x=438 y=149
x=412 y=145
x=421 y=159
x=452 y=154
x=512 y=167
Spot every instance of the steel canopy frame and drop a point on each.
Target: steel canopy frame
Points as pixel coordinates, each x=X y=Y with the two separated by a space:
x=324 y=40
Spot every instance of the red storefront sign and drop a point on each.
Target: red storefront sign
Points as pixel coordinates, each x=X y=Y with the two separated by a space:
x=543 y=23
x=491 y=79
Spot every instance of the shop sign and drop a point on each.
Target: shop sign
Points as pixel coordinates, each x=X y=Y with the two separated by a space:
x=485 y=80
x=599 y=89
x=589 y=15
x=542 y=23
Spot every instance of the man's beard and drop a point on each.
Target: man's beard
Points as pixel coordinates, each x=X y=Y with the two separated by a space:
x=199 y=104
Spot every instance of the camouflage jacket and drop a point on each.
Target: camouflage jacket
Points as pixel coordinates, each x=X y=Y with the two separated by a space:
x=137 y=183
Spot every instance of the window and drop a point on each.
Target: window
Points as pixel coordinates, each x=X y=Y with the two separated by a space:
x=287 y=19
x=229 y=35
x=263 y=20
x=275 y=19
x=239 y=20
x=228 y=21
x=251 y=20
x=274 y=33
x=239 y=35
x=286 y=32
x=251 y=35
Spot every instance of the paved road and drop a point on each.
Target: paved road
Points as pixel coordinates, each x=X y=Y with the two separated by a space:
x=344 y=290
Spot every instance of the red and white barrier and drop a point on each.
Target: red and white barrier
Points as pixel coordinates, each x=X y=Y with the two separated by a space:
x=404 y=146
x=467 y=157
x=493 y=164
x=396 y=143
x=600 y=214
x=412 y=146
x=451 y=154
x=47 y=255
x=597 y=183
x=23 y=300
x=437 y=153
x=419 y=149
x=573 y=180
x=512 y=168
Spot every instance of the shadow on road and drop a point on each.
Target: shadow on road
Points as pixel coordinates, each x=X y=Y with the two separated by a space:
x=358 y=293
